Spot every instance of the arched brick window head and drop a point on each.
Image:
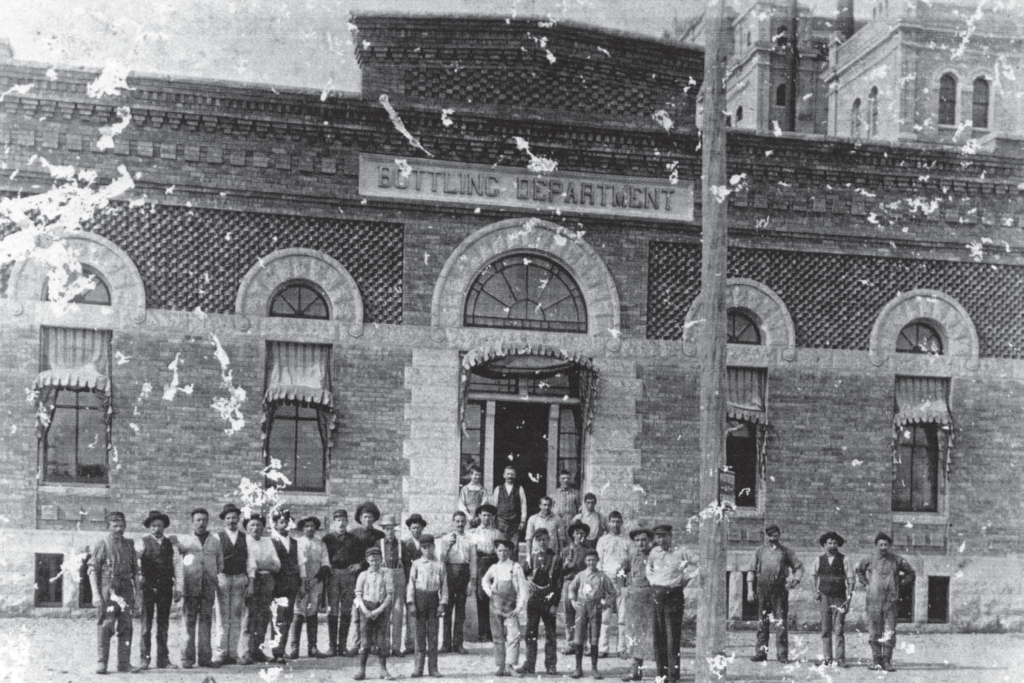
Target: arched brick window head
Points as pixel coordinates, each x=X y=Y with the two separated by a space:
x=526 y=291
x=298 y=299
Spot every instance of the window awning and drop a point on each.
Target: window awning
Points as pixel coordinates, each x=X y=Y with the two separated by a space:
x=299 y=372
x=745 y=397
x=75 y=359
x=922 y=399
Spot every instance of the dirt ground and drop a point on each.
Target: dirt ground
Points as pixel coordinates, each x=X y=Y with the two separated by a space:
x=63 y=651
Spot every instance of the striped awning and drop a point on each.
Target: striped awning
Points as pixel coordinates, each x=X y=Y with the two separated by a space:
x=922 y=399
x=299 y=372
x=75 y=358
x=745 y=397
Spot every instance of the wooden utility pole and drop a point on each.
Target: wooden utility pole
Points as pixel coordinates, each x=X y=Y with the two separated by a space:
x=711 y=614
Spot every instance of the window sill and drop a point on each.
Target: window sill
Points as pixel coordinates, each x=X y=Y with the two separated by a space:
x=97 y=490
x=748 y=513
x=920 y=518
x=306 y=498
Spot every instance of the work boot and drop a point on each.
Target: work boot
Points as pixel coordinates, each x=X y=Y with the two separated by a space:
x=363 y=658
x=759 y=657
x=312 y=628
x=432 y=665
x=531 y=658
x=578 y=673
x=294 y=636
x=332 y=636
x=594 y=655
x=417 y=668
x=887 y=665
x=634 y=671
x=385 y=675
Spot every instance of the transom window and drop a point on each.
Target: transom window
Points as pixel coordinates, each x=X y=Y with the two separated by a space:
x=919 y=338
x=98 y=294
x=299 y=300
x=526 y=291
x=742 y=329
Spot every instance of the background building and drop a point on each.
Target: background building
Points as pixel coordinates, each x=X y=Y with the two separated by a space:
x=499 y=262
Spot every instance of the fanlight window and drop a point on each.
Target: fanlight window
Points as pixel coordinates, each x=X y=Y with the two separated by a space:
x=526 y=291
x=742 y=329
x=98 y=294
x=299 y=300
x=919 y=338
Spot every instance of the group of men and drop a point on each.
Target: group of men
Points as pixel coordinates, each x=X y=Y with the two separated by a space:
x=389 y=595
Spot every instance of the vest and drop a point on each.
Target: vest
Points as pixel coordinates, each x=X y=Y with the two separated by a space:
x=235 y=555
x=832 y=577
x=157 y=562
x=509 y=513
x=287 y=581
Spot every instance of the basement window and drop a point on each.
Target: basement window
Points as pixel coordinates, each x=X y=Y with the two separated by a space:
x=49 y=582
x=938 y=599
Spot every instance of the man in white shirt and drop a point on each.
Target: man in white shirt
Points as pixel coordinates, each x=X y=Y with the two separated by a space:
x=545 y=519
x=666 y=573
x=459 y=556
x=593 y=519
x=262 y=563
x=314 y=569
x=613 y=550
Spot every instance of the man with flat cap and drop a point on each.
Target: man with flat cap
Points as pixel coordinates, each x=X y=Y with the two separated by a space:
x=639 y=604
x=882 y=574
x=426 y=598
x=158 y=589
x=202 y=559
x=834 y=581
x=573 y=558
x=231 y=585
x=777 y=570
x=666 y=572
x=114 y=577
x=346 y=553
x=543 y=573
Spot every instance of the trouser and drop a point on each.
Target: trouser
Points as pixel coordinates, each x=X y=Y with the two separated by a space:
x=114 y=620
x=833 y=618
x=307 y=603
x=588 y=625
x=374 y=632
x=538 y=609
x=258 y=607
x=284 y=614
x=156 y=601
x=231 y=615
x=773 y=607
x=668 y=627
x=197 y=616
x=505 y=630
x=882 y=629
x=568 y=613
x=455 y=615
x=340 y=594
x=483 y=602
x=619 y=608
x=426 y=629
x=510 y=528
x=395 y=641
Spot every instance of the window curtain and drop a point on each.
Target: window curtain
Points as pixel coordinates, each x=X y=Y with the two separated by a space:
x=72 y=358
x=745 y=402
x=922 y=400
x=300 y=373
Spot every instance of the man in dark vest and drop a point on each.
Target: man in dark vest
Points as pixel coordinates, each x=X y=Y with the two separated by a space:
x=158 y=589
x=231 y=585
x=288 y=581
x=834 y=583
x=510 y=500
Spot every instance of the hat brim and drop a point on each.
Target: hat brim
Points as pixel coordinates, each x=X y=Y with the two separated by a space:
x=225 y=513
x=152 y=518
x=306 y=520
x=636 y=532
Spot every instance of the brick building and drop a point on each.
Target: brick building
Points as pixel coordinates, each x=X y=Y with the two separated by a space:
x=407 y=285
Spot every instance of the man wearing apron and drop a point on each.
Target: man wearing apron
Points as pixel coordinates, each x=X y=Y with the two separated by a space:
x=639 y=605
x=483 y=538
x=393 y=551
x=505 y=584
x=881 y=574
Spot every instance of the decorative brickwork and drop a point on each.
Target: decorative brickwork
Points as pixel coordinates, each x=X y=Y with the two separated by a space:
x=835 y=299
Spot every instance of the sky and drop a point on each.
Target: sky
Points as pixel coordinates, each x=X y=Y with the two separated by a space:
x=298 y=43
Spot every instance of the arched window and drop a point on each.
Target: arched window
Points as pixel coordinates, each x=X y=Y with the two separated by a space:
x=782 y=37
x=947 y=100
x=526 y=291
x=855 y=119
x=98 y=294
x=873 y=112
x=299 y=299
x=739 y=113
x=919 y=338
x=748 y=38
x=979 y=103
x=742 y=329
x=780 y=95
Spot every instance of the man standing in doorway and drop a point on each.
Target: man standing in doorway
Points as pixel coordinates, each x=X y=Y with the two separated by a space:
x=202 y=560
x=158 y=589
x=834 y=582
x=459 y=556
x=347 y=556
x=231 y=585
x=566 y=500
x=472 y=495
x=114 y=578
x=666 y=572
x=510 y=501
x=883 y=573
x=777 y=570
x=545 y=519
x=613 y=549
